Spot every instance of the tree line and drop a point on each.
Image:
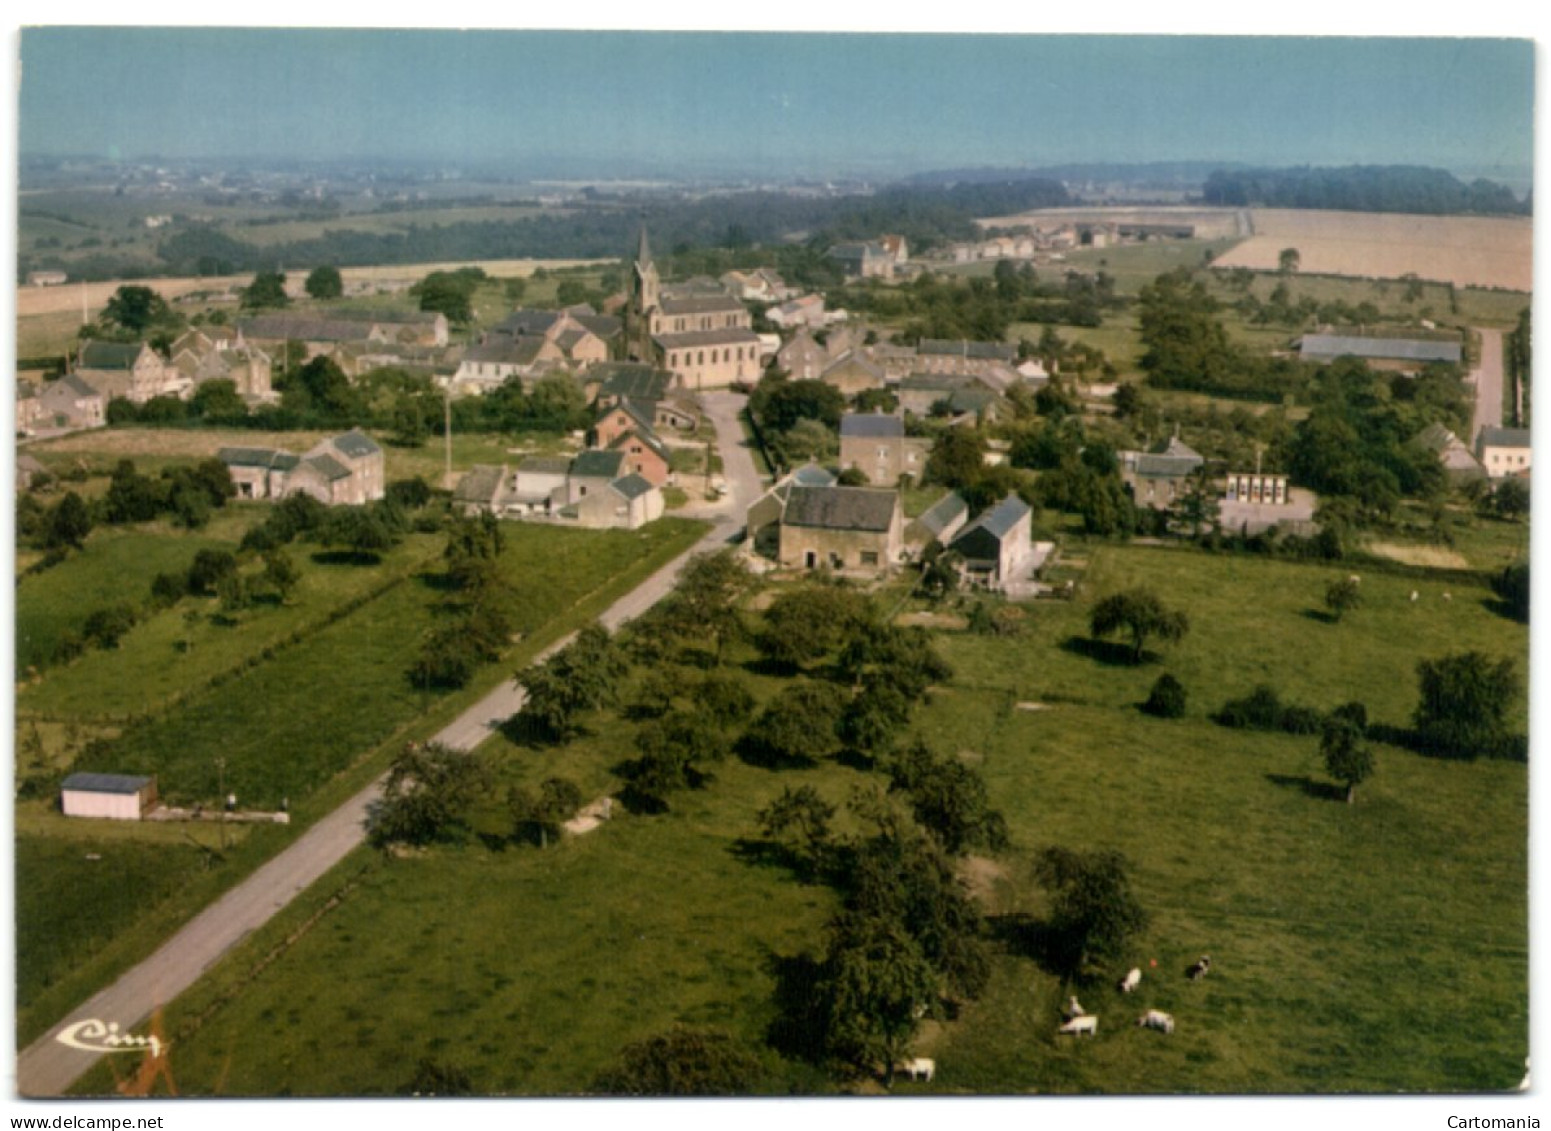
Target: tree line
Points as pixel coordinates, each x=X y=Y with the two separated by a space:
x=1362 y=188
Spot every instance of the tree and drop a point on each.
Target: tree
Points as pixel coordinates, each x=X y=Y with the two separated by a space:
x=798 y=821
x=363 y=529
x=704 y=604
x=1343 y=595
x=1197 y=507
x=281 y=574
x=1510 y=500
x=1142 y=614
x=1166 y=700
x=266 y=290
x=449 y=293
x=410 y=428
x=67 y=524
x=135 y=309
x=957 y=459
x=1093 y=913
x=325 y=282
x=218 y=401
x=673 y=749
x=873 y=719
x=428 y=793
x=582 y=676
x=105 y=627
x=874 y=982
x=1512 y=585
x=1346 y=758
x=540 y=815
x=804 y=624
x=131 y=497
x=473 y=551
x=683 y=1062
x=1288 y=261
x=1463 y=708
x=208 y=568
x=949 y=799
x=798 y=725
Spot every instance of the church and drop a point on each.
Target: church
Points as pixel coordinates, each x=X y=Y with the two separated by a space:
x=707 y=339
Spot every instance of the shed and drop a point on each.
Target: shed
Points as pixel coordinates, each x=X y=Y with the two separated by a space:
x=117 y=797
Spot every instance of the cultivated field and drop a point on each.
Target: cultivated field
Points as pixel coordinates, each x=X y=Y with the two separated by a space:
x=1477 y=251
x=1373 y=947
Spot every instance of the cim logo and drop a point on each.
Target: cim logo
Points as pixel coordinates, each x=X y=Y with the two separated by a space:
x=95 y=1036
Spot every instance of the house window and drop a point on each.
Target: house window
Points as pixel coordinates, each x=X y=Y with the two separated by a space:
x=811 y=559
x=869 y=557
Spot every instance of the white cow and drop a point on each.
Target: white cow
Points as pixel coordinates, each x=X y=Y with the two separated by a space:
x=1132 y=979
x=1073 y=1008
x=1413 y=594
x=918 y=1068
x=1077 y=1026
x=1156 y=1019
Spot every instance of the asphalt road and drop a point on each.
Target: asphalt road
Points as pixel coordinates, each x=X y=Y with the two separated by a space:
x=1489 y=384
x=48 y=1068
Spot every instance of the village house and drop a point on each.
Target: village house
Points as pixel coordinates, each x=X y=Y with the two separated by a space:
x=28 y=408
x=806 y=311
x=1459 y=462
x=896 y=360
x=937 y=355
x=345 y=470
x=645 y=455
x=997 y=550
x=850 y=530
x=762 y=527
x=852 y=373
x=876 y=445
x=802 y=357
x=1157 y=477
x=46 y=278
x=654 y=395
x=865 y=260
x=132 y=370
x=1504 y=451
x=759 y=285
x=70 y=402
x=921 y=393
x=627 y=503
x=895 y=248
x=542 y=488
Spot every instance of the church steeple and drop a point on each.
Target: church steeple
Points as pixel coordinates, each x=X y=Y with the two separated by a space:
x=643 y=254
x=644 y=297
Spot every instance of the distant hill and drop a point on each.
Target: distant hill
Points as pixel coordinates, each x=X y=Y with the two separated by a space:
x=1156 y=174
x=1362 y=188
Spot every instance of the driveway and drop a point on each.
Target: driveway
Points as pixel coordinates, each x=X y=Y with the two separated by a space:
x=48 y=1068
x=1488 y=377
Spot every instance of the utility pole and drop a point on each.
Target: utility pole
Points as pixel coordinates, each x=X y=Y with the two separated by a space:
x=220 y=769
x=447 y=433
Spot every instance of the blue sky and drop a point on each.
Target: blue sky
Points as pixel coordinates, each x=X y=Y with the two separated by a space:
x=774 y=102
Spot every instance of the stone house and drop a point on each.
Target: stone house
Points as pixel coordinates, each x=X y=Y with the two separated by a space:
x=1503 y=451
x=876 y=445
x=1157 y=477
x=938 y=523
x=853 y=373
x=345 y=470
x=71 y=402
x=645 y=455
x=1459 y=462
x=131 y=370
x=997 y=547
x=936 y=355
x=806 y=311
x=802 y=357
x=628 y=503
x=851 y=530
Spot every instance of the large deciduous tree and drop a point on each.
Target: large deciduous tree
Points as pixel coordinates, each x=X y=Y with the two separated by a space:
x=266 y=290
x=582 y=676
x=1346 y=757
x=1140 y=613
x=325 y=282
x=1093 y=912
x=427 y=795
x=1464 y=703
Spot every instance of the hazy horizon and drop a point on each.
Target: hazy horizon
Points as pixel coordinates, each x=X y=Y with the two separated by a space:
x=772 y=105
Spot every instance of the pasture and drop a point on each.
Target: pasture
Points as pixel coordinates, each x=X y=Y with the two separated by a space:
x=294 y=724
x=1469 y=251
x=1380 y=946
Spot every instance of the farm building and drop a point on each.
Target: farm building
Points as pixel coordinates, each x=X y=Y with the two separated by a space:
x=115 y=797
x=938 y=523
x=345 y=470
x=1403 y=351
x=71 y=402
x=875 y=444
x=856 y=530
x=1459 y=463
x=1157 y=476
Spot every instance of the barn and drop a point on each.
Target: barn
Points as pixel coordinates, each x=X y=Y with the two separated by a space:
x=117 y=797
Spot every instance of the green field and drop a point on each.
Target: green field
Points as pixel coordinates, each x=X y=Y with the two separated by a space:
x=1380 y=946
x=308 y=723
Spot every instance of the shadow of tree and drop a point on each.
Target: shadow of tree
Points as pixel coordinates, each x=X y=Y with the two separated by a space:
x=1324 y=616
x=1104 y=651
x=1052 y=950
x=802 y=1017
x=1320 y=790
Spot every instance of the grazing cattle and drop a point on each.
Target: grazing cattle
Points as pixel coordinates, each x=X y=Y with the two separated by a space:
x=1354 y=579
x=1077 y=1026
x=1073 y=1008
x=1413 y=594
x=919 y=1068
x=1132 y=979
x=1156 y=1019
x=1198 y=970
x=1447 y=597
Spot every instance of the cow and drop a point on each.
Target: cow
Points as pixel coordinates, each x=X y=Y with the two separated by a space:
x=1448 y=597
x=1156 y=1019
x=1198 y=970
x=1073 y=1008
x=1132 y=979
x=1413 y=594
x=1077 y=1026
x=918 y=1068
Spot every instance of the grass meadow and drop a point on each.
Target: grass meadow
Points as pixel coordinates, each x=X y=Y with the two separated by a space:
x=308 y=723
x=1379 y=946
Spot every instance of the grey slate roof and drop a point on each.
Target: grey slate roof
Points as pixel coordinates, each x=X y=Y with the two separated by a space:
x=251 y=457
x=998 y=520
x=646 y=436
x=356 y=444
x=1435 y=437
x=597 y=464
x=1504 y=437
x=76 y=385
x=544 y=465
x=812 y=475
x=303 y=329
x=728 y=336
x=109 y=355
x=870 y=425
x=632 y=380
x=479 y=485
x=841 y=508
x=702 y=304
x=106 y=783
x=631 y=486
x=980 y=351
x=1395 y=349
x=327 y=466
x=941 y=514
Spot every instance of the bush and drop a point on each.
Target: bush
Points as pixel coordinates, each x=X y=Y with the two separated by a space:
x=106 y=627
x=1167 y=698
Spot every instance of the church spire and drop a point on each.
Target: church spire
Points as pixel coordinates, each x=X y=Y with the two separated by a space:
x=643 y=254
